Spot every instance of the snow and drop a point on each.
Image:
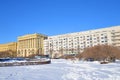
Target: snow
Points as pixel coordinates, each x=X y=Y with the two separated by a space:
x=61 y=69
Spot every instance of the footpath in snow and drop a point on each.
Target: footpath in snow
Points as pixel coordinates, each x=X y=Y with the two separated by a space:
x=61 y=69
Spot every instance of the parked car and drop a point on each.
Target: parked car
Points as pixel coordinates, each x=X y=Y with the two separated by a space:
x=90 y=59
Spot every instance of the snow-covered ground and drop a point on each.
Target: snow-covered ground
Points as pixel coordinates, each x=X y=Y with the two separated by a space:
x=63 y=70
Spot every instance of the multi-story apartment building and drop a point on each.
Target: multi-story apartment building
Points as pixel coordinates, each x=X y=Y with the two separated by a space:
x=9 y=47
x=30 y=44
x=73 y=43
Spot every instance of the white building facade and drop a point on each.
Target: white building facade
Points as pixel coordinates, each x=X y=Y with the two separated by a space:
x=73 y=43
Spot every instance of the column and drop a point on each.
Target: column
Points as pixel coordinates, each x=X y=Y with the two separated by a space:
x=33 y=43
x=30 y=43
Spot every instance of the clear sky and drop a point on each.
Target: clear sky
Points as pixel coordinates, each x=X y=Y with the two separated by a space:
x=53 y=17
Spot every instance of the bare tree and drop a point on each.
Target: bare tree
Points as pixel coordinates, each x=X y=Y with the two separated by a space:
x=61 y=51
x=51 y=52
x=8 y=53
x=78 y=49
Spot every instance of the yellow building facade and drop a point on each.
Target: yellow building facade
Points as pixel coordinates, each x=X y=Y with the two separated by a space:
x=30 y=44
x=9 y=47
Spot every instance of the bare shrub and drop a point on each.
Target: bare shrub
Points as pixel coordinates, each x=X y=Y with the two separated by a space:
x=100 y=52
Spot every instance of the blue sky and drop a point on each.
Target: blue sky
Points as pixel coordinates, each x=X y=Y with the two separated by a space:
x=53 y=17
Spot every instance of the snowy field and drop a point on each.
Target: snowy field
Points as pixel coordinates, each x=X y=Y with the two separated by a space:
x=63 y=70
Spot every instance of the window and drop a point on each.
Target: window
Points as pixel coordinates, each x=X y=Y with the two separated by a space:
x=102 y=41
x=101 y=37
